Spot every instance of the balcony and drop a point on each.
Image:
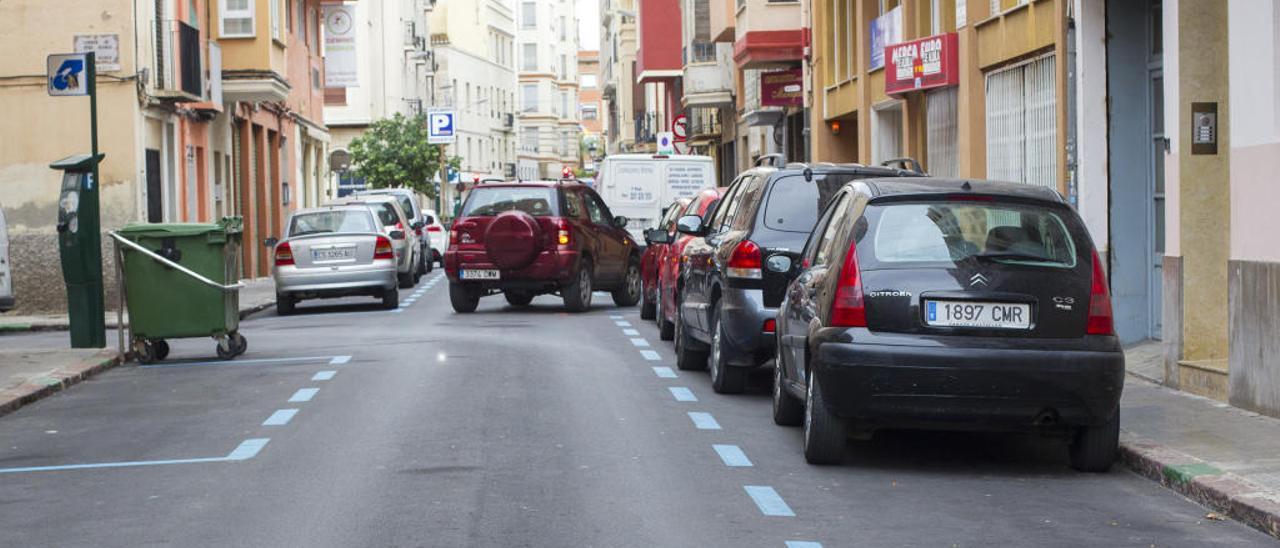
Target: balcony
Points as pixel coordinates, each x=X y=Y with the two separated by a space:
x=178 y=73
x=768 y=34
x=752 y=113
x=723 y=20
x=508 y=122
x=708 y=75
x=704 y=123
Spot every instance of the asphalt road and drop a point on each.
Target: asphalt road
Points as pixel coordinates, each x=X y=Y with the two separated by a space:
x=516 y=427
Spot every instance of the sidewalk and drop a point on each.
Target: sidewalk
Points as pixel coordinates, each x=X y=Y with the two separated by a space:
x=258 y=294
x=1223 y=457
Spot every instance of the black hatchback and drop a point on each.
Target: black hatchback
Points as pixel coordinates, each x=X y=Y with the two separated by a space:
x=949 y=304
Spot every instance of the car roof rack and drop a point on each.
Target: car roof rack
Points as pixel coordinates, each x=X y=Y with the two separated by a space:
x=772 y=160
x=904 y=163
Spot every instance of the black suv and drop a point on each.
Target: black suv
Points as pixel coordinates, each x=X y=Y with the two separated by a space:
x=525 y=239
x=737 y=268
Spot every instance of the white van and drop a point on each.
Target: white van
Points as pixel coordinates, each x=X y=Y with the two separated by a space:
x=6 y=273
x=639 y=186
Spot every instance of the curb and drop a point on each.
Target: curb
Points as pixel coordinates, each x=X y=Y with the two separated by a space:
x=1227 y=493
x=14 y=398
x=27 y=327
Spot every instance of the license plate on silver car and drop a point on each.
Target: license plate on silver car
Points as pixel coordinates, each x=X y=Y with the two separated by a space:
x=977 y=314
x=333 y=254
x=479 y=275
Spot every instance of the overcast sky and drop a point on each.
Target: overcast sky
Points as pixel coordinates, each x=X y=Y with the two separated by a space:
x=589 y=24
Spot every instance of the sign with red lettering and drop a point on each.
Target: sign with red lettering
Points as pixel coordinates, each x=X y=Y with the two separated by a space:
x=931 y=62
x=784 y=88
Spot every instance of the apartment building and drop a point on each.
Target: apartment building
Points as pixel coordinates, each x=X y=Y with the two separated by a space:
x=618 y=75
x=590 y=108
x=550 y=131
x=473 y=42
x=707 y=87
x=206 y=108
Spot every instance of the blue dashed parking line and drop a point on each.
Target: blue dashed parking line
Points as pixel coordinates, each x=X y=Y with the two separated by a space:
x=339 y=360
x=732 y=455
x=280 y=418
x=323 y=375
x=703 y=421
x=630 y=332
x=664 y=372
x=639 y=342
x=681 y=393
x=246 y=450
x=621 y=323
x=803 y=544
x=651 y=355
x=615 y=317
x=303 y=395
x=768 y=501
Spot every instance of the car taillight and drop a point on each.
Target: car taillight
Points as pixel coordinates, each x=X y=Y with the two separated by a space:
x=848 y=310
x=284 y=254
x=435 y=229
x=418 y=231
x=1100 y=318
x=562 y=234
x=383 y=250
x=745 y=261
x=770 y=325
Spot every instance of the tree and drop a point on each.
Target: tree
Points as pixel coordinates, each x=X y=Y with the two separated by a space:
x=394 y=153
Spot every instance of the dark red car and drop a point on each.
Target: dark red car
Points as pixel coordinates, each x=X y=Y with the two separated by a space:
x=525 y=239
x=669 y=261
x=652 y=257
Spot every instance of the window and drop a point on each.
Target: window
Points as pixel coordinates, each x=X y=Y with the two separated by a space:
x=1022 y=128
x=588 y=81
x=595 y=209
x=831 y=232
x=793 y=205
x=590 y=112
x=277 y=26
x=530 y=61
x=951 y=232
x=573 y=204
x=338 y=220
x=886 y=136
x=942 y=135
x=236 y=19
x=529 y=98
x=529 y=15
x=490 y=201
x=563 y=29
x=529 y=138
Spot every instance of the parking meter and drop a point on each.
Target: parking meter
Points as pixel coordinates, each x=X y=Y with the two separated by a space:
x=80 y=248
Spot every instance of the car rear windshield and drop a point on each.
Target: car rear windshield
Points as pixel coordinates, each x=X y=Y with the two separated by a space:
x=386 y=213
x=794 y=204
x=490 y=201
x=951 y=232
x=338 y=220
x=406 y=204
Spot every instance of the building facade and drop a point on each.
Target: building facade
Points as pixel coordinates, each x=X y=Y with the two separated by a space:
x=473 y=42
x=549 y=128
x=618 y=75
x=591 y=108
x=708 y=95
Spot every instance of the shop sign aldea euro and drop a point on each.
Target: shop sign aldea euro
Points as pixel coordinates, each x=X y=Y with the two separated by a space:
x=926 y=63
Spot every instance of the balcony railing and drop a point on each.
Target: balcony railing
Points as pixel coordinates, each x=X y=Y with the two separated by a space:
x=704 y=122
x=699 y=52
x=178 y=73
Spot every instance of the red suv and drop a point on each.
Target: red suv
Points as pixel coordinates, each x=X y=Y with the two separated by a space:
x=525 y=239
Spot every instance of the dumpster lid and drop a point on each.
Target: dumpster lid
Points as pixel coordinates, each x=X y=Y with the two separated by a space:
x=170 y=229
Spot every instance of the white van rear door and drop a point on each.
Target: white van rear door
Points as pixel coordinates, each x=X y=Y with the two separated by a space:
x=686 y=178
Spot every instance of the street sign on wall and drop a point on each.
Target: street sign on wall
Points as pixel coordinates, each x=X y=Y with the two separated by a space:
x=440 y=127
x=66 y=76
x=784 y=88
x=926 y=63
x=106 y=49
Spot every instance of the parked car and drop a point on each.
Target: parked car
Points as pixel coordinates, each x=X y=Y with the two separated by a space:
x=733 y=279
x=408 y=200
x=524 y=239
x=397 y=226
x=437 y=234
x=949 y=303
x=651 y=259
x=334 y=251
x=7 y=300
x=638 y=186
x=670 y=261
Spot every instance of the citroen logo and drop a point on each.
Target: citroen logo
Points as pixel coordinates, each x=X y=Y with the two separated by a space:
x=978 y=279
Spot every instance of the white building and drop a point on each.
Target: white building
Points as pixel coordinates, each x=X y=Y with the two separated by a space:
x=474 y=46
x=548 y=74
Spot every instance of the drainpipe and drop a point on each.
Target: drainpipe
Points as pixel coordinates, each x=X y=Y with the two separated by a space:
x=1073 y=167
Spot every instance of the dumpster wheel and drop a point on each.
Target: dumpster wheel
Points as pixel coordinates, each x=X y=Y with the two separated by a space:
x=232 y=345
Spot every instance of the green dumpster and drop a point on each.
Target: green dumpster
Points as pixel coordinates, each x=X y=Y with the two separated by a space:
x=181 y=281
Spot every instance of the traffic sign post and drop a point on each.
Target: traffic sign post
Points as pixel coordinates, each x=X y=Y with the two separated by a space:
x=76 y=75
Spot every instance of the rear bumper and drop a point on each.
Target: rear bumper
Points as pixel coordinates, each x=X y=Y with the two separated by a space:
x=744 y=314
x=7 y=303
x=886 y=385
x=319 y=281
x=550 y=270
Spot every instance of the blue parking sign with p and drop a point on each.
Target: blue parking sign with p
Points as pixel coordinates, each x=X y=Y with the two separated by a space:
x=67 y=76
x=440 y=127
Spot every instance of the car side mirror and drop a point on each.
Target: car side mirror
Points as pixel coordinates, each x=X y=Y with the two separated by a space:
x=620 y=221
x=271 y=242
x=690 y=224
x=657 y=236
x=418 y=225
x=397 y=234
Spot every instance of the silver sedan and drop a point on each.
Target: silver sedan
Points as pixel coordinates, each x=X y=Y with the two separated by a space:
x=334 y=251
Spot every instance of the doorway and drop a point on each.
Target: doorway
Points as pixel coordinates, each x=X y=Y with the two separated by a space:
x=1136 y=148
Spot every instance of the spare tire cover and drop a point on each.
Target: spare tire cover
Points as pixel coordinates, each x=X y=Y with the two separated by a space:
x=513 y=240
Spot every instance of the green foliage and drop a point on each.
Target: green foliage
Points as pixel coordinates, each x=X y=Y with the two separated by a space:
x=393 y=153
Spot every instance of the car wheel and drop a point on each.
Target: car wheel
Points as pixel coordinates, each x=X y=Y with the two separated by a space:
x=687 y=359
x=725 y=378
x=1094 y=448
x=666 y=329
x=787 y=410
x=428 y=262
x=632 y=288
x=824 y=433
x=285 y=305
x=648 y=308
x=518 y=298
x=577 y=295
x=391 y=298
x=405 y=281
x=464 y=299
